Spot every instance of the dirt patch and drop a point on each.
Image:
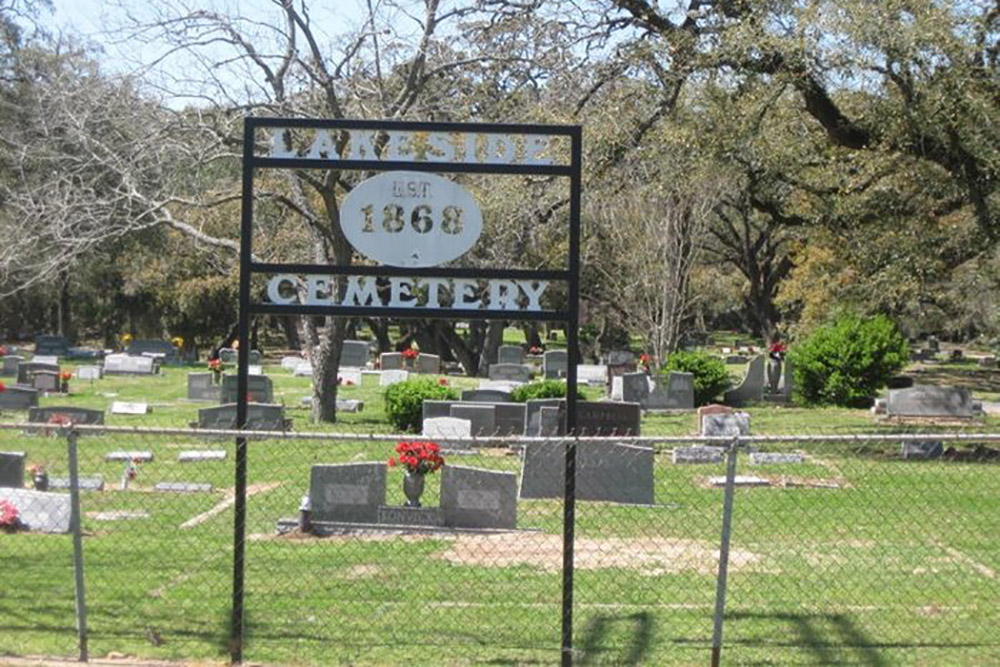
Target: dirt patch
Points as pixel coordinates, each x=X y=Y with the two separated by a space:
x=651 y=556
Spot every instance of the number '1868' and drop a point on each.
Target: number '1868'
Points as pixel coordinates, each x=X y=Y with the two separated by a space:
x=421 y=218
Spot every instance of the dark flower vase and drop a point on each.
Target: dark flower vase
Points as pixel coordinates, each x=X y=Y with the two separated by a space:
x=413 y=488
x=41 y=482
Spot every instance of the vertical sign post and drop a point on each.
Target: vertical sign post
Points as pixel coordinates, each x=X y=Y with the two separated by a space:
x=409 y=219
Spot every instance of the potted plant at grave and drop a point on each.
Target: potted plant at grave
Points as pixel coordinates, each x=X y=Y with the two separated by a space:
x=39 y=477
x=10 y=518
x=410 y=355
x=217 y=368
x=64 y=379
x=420 y=459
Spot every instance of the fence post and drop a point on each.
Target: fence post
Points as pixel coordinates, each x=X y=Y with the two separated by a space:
x=77 y=530
x=720 y=583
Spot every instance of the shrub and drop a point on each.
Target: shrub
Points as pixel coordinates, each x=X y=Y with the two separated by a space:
x=404 y=401
x=710 y=375
x=847 y=361
x=543 y=389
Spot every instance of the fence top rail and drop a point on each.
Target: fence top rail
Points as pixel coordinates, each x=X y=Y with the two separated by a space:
x=743 y=440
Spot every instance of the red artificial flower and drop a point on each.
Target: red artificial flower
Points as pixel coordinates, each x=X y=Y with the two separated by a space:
x=9 y=516
x=419 y=457
x=644 y=358
x=392 y=463
x=410 y=353
x=3 y=350
x=66 y=376
x=3 y=387
x=535 y=350
x=214 y=364
x=443 y=382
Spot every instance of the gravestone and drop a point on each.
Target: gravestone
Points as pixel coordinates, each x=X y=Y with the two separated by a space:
x=9 y=366
x=354 y=354
x=929 y=401
x=40 y=511
x=485 y=396
x=183 y=487
x=446 y=427
x=77 y=415
x=499 y=385
x=673 y=392
x=84 y=353
x=751 y=388
x=95 y=483
x=260 y=389
x=427 y=363
x=711 y=409
x=123 y=364
x=477 y=498
x=933 y=343
x=290 y=363
x=390 y=361
x=26 y=371
x=12 y=469
x=304 y=369
x=129 y=408
x=228 y=355
x=720 y=425
x=635 y=388
x=392 y=377
x=50 y=359
x=533 y=414
x=621 y=362
x=349 y=492
x=617 y=388
x=595 y=375
x=51 y=345
x=199 y=455
x=607 y=418
x=260 y=417
x=482 y=418
x=921 y=450
x=18 y=398
x=435 y=409
x=46 y=381
x=402 y=515
x=555 y=364
x=775 y=458
x=139 y=456
x=510 y=372
x=202 y=387
x=255 y=357
x=605 y=471
x=551 y=421
x=698 y=454
x=740 y=480
x=510 y=354
x=509 y=418
x=255 y=370
x=89 y=373
x=349 y=376
x=163 y=348
x=350 y=405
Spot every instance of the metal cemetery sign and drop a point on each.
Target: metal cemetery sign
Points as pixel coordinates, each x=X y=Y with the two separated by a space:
x=407 y=221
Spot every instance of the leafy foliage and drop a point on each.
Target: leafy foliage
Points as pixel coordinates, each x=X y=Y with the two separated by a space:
x=404 y=401
x=535 y=390
x=710 y=375
x=847 y=361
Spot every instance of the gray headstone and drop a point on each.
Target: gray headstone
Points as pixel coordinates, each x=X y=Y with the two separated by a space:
x=482 y=418
x=533 y=414
x=698 y=454
x=621 y=357
x=606 y=471
x=427 y=363
x=928 y=401
x=183 y=487
x=40 y=511
x=775 y=458
x=26 y=371
x=510 y=354
x=389 y=361
x=12 y=469
x=485 y=396
x=675 y=391
x=354 y=354
x=18 y=398
x=202 y=387
x=46 y=381
x=227 y=355
x=555 y=364
x=89 y=373
x=51 y=345
x=752 y=387
x=138 y=348
x=78 y=415
x=140 y=456
x=197 y=455
x=594 y=375
x=123 y=364
x=350 y=405
x=95 y=483
x=922 y=450
x=349 y=376
x=551 y=421
x=510 y=372
x=84 y=353
x=635 y=388
x=9 y=366
x=722 y=424
x=259 y=387
x=410 y=516
x=351 y=492
x=260 y=417
x=509 y=418
x=434 y=409
x=391 y=377
x=290 y=363
x=608 y=418
x=476 y=498
x=255 y=357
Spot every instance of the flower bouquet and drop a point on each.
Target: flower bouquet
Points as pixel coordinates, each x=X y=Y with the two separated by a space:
x=420 y=459
x=10 y=518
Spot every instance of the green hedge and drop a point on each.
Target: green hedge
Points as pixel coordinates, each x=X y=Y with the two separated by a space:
x=543 y=389
x=404 y=401
x=710 y=375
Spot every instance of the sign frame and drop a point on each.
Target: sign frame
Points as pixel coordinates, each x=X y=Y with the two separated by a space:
x=249 y=267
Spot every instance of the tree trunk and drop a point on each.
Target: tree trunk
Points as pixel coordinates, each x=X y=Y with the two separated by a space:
x=491 y=347
x=326 y=364
x=289 y=325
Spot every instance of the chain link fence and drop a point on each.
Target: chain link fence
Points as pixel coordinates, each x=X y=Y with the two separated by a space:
x=817 y=548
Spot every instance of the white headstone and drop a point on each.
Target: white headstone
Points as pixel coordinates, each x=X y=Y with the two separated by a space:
x=126 y=408
x=447 y=427
x=291 y=363
x=304 y=369
x=392 y=377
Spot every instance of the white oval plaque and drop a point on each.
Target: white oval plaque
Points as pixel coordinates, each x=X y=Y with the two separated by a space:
x=409 y=218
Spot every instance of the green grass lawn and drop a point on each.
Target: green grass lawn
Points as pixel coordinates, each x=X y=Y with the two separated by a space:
x=899 y=564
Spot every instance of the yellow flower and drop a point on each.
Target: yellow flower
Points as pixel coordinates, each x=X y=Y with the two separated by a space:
x=126 y=338
x=177 y=341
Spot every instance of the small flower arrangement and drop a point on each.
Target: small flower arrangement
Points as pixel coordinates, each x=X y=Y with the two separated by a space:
x=217 y=367
x=65 y=378
x=534 y=349
x=39 y=477
x=37 y=469
x=10 y=518
x=3 y=387
x=420 y=458
x=443 y=382
x=411 y=353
